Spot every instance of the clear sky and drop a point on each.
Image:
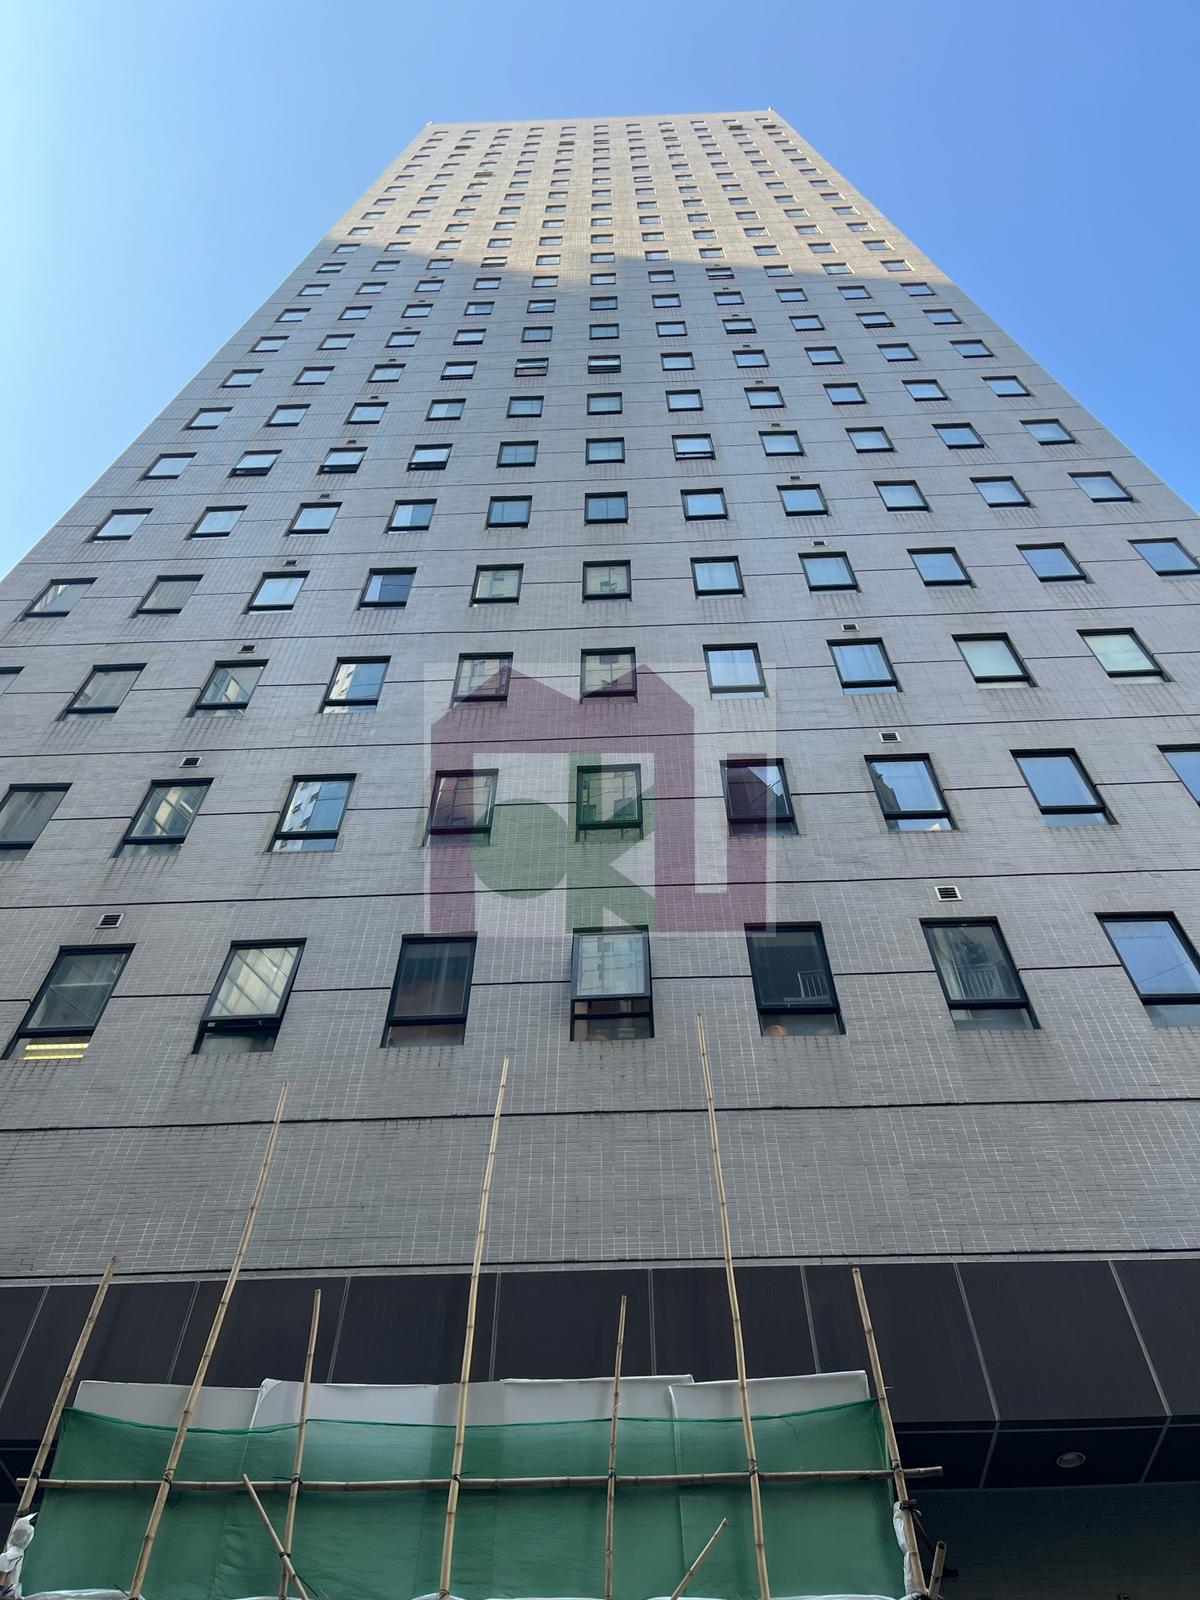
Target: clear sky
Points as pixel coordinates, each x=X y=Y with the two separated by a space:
x=167 y=163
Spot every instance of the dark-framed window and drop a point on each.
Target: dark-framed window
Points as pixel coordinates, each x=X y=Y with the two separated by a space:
x=482 y=677
x=925 y=389
x=246 y=1007
x=793 y=986
x=509 y=511
x=66 y=1010
x=608 y=797
x=803 y=500
x=939 y=568
x=1059 y=782
x=606 y=508
x=431 y=993
x=59 y=597
x=599 y=450
x=102 y=691
x=216 y=522
x=607 y=673
x=870 y=441
x=829 y=570
x=778 y=442
x=1122 y=654
x=254 y=463
x=387 y=586
x=342 y=460
x=229 y=686
x=312 y=814
x=497 y=586
x=1185 y=763
x=429 y=458
x=161 y=823
x=693 y=446
x=525 y=405
x=958 y=436
x=607 y=580
x=909 y=794
x=25 y=810
x=992 y=658
x=764 y=397
x=979 y=980
x=611 y=997
x=1006 y=385
x=1167 y=557
x=277 y=591
x=701 y=505
x=757 y=797
x=1052 y=563
x=845 y=394
x=410 y=515
x=684 y=400
x=1100 y=486
x=167 y=595
x=735 y=671
x=1000 y=492
x=517 y=453
x=863 y=667
x=356 y=684
x=120 y=525
x=713 y=575
x=604 y=404
x=905 y=496
x=1048 y=430
x=462 y=802
x=1161 y=963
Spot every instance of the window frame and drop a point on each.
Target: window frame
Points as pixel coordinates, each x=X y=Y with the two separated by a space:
x=640 y=1004
x=262 y=1026
x=447 y=1019
x=67 y=1036
x=831 y=1009
x=954 y=1006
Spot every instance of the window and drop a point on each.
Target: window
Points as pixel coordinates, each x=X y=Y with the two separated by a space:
x=1167 y=556
x=977 y=975
x=1052 y=563
x=254 y=464
x=676 y=361
x=67 y=1008
x=779 y=443
x=526 y=367
x=875 y=319
x=1161 y=962
x=958 y=436
x=809 y=322
x=386 y=373
x=684 y=400
x=216 y=522
x=342 y=461
x=312 y=814
x=243 y=377
x=897 y=352
x=824 y=355
x=25 y=811
x=867 y=440
x=598 y=450
x=509 y=511
x=940 y=315
x=1048 y=430
x=1058 y=782
x=387 y=586
x=793 y=986
x=1122 y=654
x=245 y=1009
x=717 y=575
x=1000 y=491
x=517 y=453
x=429 y=457
x=803 y=500
x=909 y=794
x=432 y=991
x=230 y=685
x=703 y=504
x=607 y=673
x=757 y=796
x=445 y=410
x=606 y=508
x=939 y=567
x=286 y=417
x=608 y=797
x=610 y=985
x=902 y=496
x=1185 y=760
x=120 y=525
x=167 y=467
x=991 y=658
x=314 y=375
x=750 y=358
x=277 y=591
x=845 y=394
x=828 y=572
x=764 y=399
x=102 y=691
x=462 y=802
x=167 y=595
x=355 y=685
x=161 y=822
x=607 y=580
x=863 y=667
x=693 y=447
x=735 y=671
x=525 y=405
x=925 y=389
x=970 y=349
x=409 y=515
x=600 y=404
x=482 y=677
x=58 y=599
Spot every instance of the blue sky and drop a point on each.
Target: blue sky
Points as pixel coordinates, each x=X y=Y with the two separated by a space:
x=167 y=164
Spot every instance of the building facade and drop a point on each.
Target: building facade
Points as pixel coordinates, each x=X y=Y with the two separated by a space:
x=618 y=576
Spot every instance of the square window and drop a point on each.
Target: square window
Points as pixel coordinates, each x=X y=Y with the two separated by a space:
x=828 y=571
x=167 y=595
x=608 y=797
x=803 y=500
x=497 y=586
x=606 y=508
x=702 y=504
x=863 y=667
x=938 y=568
x=312 y=814
x=463 y=802
x=120 y=525
x=102 y=691
x=992 y=659
x=277 y=591
x=607 y=580
x=387 y=586
x=509 y=511
x=229 y=686
x=1000 y=492
x=1053 y=563
x=482 y=677
x=958 y=435
x=607 y=672
x=1100 y=486
x=735 y=671
x=757 y=797
x=909 y=794
x=712 y=575
x=1122 y=654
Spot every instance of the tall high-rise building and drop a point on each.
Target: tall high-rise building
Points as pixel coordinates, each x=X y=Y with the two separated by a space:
x=615 y=577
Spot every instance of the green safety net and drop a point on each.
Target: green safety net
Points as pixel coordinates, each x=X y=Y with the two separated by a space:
x=821 y=1538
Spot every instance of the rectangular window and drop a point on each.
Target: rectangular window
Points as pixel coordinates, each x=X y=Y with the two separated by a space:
x=677 y=361
x=599 y=404
x=254 y=464
x=607 y=580
x=24 y=812
x=462 y=803
x=312 y=814
x=161 y=822
x=245 y=1010
x=1059 y=783
x=342 y=461
x=286 y=417
x=1052 y=563
x=1048 y=430
x=120 y=525
x=684 y=400
x=735 y=671
x=845 y=394
x=1185 y=760
x=793 y=985
x=764 y=399
x=757 y=796
x=958 y=436
x=803 y=500
x=779 y=443
x=509 y=511
x=67 y=1008
x=497 y=586
x=317 y=518
x=166 y=596
x=831 y=571
x=277 y=591
x=168 y=467
x=229 y=686
x=387 y=586
x=356 y=685
x=606 y=508
x=712 y=575
x=216 y=522
x=482 y=677
x=864 y=668
x=445 y=410
x=608 y=797
x=977 y=975
x=909 y=794
x=525 y=405
x=1161 y=962
x=429 y=458
x=1122 y=654
x=939 y=567
x=897 y=352
x=824 y=355
x=517 y=453
x=1167 y=557
x=902 y=496
x=969 y=349
x=432 y=991
x=610 y=985
x=607 y=673
x=386 y=373
x=925 y=389
x=1006 y=386
x=57 y=599
x=991 y=658
x=410 y=515
x=1100 y=486
x=1001 y=491
x=693 y=447
x=102 y=691
x=703 y=504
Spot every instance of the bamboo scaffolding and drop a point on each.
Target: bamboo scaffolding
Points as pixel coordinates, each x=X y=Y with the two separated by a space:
x=700 y=1559
x=189 y=1405
x=899 y=1482
x=289 y=1521
x=285 y=1559
x=610 y=1497
x=584 y=1481
x=33 y=1481
x=739 y=1350
x=460 y=1419
x=936 y=1569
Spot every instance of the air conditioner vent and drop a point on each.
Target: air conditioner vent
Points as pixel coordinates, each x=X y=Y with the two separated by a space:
x=111 y=919
x=947 y=891
x=889 y=736
x=190 y=761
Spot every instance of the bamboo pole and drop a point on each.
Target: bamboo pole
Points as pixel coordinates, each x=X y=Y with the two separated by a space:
x=289 y=1521
x=586 y=1481
x=610 y=1499
x=464 y=1380
x=936 y=1569
x=739 y=1349
x=189 y=1404
x=688 y=1575
x=32 y=1482
x=285 y=1560
x=899 y=1483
